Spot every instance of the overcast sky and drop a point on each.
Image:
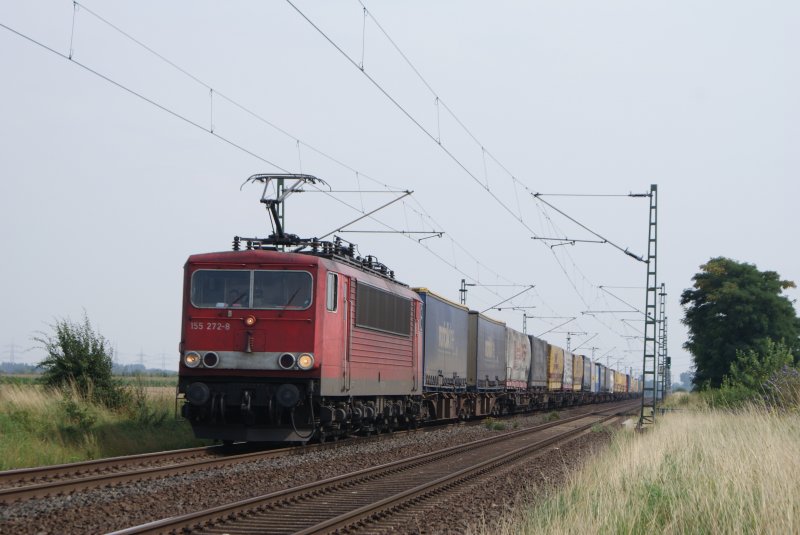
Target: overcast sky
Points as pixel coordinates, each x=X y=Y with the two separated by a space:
x=104 y=195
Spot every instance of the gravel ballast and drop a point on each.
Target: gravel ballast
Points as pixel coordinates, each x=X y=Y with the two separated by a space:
x=109 y=509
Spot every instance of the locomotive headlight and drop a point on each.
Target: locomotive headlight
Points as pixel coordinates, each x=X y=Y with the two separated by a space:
x=286 y=361
x=250 y=321
x=305 y=361
x=210 y=359
x=191 y=359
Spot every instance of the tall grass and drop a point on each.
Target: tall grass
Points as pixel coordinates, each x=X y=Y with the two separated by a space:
x=40 y=426
x=706 y=471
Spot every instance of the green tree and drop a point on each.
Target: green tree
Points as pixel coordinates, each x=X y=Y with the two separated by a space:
x=735 y=307
x=78 y=356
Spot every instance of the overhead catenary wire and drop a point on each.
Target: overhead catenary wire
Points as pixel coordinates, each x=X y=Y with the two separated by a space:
x=210 y=130
x=438 y=99
x=234 y=102
x=484 y=151
x=413 y=119
x=142 y=97
x=438 y=140
x=225 y=139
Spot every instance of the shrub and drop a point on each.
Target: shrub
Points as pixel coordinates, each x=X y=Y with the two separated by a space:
x=77 y=416
x=755 y=377
x=599 y=428
x=729 y=396
x=141 y=409
x=493 y=425
x=752 y=368
x=79 y=358
x=552 y=416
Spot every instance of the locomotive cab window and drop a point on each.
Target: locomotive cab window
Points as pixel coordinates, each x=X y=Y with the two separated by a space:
x=221 y=289
x=332 y=292
x=284 y=290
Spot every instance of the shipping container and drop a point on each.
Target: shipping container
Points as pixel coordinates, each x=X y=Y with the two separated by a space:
x=518 y=359
x=586 y=383
x=538 y=375
x=577 y=372
x=619 y=382
x=445 y=335
x=566 y=380
x=596 y=377
x=486 y=367
x=609 y=380
x=555 y=368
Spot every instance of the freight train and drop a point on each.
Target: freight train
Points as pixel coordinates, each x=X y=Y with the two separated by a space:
x=313 y=344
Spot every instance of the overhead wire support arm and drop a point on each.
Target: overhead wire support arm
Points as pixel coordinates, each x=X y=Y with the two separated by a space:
x=590 y=312
x=394 y=231
x=381 y=207
x=566 y=241
x=591 y=194
x=463 y=290
x=570 y=334
x=432 y=233
x=556 y=327
x=606 y=240
x=586 y=341
x=509 y=299
x=572 y=240
x=633 y=308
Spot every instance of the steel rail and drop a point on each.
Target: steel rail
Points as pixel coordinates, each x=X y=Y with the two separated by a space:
x=386 y=507
x=76 y=480
x=200 y=519
x=23 y=475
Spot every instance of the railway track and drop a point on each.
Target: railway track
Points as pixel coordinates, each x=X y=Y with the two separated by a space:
x=32 y=476
x=351 y=500
x=29 y=483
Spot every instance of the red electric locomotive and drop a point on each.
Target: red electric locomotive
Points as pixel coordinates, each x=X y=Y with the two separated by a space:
x=280 y=346
x=273 y=340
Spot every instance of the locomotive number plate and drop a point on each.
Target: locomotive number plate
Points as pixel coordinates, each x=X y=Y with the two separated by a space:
x=209 y=326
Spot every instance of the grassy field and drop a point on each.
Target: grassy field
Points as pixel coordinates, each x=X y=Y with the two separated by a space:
x=40 y=426
x=698 y=471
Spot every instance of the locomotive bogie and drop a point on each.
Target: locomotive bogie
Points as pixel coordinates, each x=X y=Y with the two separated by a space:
x=249 y=409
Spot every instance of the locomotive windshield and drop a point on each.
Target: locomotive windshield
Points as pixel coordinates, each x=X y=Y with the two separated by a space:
x=251 y=289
